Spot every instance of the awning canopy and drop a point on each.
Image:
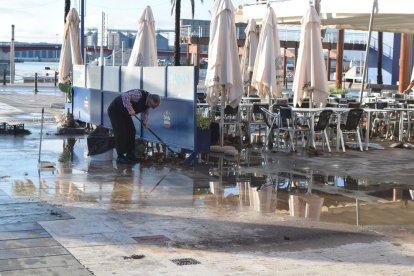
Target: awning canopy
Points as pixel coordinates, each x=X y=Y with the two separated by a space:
x=390 y=16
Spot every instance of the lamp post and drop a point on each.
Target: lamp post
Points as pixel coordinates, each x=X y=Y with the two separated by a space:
x=12 y=57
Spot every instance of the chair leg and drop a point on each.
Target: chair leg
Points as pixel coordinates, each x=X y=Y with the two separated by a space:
x=341 y=136
x=303 y=140
x=359 y=139
x=241 y=136
x=292 y=144
x=327 y=140
x=278 y=139
x=323 y=141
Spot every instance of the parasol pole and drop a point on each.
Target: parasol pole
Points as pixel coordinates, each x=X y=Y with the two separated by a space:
x=222 y=116
x=364 y=75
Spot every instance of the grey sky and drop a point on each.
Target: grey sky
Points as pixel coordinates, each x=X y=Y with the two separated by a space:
x=42 y=20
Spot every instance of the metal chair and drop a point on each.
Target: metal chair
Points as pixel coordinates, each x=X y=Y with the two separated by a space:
x=232 y=117
x=321 y=126
x=257 y=122
x=352 y=126
x=270 y=118
x=288 y=123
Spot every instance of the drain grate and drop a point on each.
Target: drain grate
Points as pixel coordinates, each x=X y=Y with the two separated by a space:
x=151 y=239
x=185 y=261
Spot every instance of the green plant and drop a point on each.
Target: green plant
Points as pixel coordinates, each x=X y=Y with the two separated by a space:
x=66 y=88
x=337 y=91
x=202 y=122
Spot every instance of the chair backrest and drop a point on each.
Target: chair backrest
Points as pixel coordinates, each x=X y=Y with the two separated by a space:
x=281 y=101
x=370 y=105
x=399 y=96
x=252 y=99
x=323 y=120
x=230 y=111
x=353 y=119
x=354 y=105
x=304 y=105
x=268 y=116
x=256 y=109
x=381 y=105
x=285 y=115
x=331 y=105
x=257 y=113
x=276 y=107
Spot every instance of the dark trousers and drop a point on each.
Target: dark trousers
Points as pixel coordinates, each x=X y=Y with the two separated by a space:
x=122 y=126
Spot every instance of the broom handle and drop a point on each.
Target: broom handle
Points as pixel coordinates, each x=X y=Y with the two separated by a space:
x=41 y=133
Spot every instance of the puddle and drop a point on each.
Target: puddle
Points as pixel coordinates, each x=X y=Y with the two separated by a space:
x=222 y=185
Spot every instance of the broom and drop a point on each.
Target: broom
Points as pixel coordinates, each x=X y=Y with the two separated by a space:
x=43 y=164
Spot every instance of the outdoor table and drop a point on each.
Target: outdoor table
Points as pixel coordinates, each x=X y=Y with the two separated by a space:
x=312 y=112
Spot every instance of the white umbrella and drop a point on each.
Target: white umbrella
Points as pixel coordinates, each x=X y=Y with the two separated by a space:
x=268 y=68
x=310 y=73
x=223 y=72
x=144 y=52
x=249 y=53
x=71 y=51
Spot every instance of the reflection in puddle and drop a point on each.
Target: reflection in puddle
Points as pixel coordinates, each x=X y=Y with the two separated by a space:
x=299 y=193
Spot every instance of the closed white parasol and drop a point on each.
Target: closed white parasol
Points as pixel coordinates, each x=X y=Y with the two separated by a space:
x=71 y=52
x=310 y=75
x=144 y=52
x=223 y=76
x=268 y=67
x=249 y=53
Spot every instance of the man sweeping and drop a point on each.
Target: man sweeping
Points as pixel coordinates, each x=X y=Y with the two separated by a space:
x=120 y=111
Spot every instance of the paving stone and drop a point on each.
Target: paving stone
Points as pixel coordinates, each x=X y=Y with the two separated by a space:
x=39 y=262
x=50 y=271
x=19 y=226
x=29 y=234
x=32 y=252
x=27 y=243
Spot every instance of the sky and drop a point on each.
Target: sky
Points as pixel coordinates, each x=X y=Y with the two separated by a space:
x=42 y=20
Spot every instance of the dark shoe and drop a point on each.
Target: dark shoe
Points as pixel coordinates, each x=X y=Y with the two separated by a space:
x=132 y=157
x=124 y=160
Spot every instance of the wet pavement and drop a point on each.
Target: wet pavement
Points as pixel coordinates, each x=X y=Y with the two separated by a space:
x=266 y=213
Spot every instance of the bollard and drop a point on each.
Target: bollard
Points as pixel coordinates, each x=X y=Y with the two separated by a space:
x=56 y=73
x=35 y=84
x=4 y=76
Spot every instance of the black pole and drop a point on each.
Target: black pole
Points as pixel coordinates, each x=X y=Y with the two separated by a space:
x=67 y=8
x=35 y=84
x=379 y=58
x=56 y=73
x=4 y=76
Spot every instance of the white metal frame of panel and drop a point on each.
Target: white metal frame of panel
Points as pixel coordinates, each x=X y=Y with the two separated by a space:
x=154 y=80
x=180 y=82
x=79 y=75
x=111 y=78
x=94 y=77
x=130 y=78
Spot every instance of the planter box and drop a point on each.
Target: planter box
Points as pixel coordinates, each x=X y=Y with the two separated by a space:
x=203 y=140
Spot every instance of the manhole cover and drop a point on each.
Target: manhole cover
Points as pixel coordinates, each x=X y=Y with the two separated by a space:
x=185 y=261
x=151 y=239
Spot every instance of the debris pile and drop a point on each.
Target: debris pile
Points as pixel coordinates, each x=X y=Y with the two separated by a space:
x=68 y=125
